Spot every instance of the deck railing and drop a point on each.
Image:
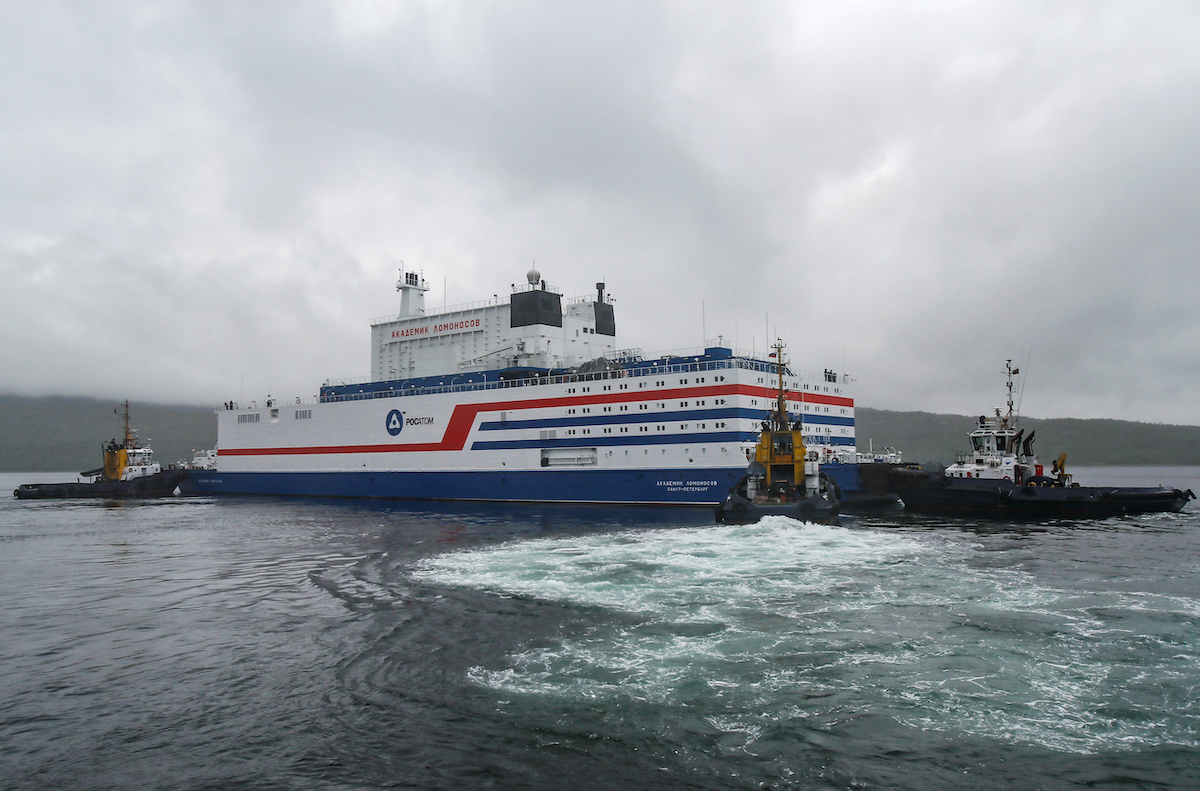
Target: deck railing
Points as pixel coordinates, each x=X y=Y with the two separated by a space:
x=648 y=369
x=644 y=368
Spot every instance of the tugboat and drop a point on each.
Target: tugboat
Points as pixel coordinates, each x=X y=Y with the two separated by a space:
x=129 y=471
x=1001 y=477
x=780 y=479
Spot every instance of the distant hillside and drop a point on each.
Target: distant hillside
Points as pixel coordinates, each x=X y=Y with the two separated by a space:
x=929 y=438
x=65 y=434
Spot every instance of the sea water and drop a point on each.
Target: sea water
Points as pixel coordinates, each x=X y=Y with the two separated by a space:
x=332 y=644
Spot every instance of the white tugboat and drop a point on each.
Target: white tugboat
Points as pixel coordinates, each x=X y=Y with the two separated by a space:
x=1002 y=476
x=1000 y=451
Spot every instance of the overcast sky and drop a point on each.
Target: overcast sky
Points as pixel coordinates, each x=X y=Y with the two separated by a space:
x=209 y=201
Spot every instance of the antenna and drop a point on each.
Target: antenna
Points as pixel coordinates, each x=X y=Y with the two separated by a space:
x=1011 y=373
x=1021 y=393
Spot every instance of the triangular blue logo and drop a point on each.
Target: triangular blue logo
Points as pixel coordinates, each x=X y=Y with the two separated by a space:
x=394 y=422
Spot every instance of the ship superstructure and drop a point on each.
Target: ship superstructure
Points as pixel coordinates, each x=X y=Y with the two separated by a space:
x=527 y=398
x=535 y=328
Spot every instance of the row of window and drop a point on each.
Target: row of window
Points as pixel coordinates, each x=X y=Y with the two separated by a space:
x=625 y=407
x=643 y=385
x=797 y=385
x=663 y=451
x=642 y=429
x=256 y=417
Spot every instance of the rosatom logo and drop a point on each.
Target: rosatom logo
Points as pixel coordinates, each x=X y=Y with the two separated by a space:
x=394 y=422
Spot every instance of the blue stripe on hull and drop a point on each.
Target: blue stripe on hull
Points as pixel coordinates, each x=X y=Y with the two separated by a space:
x=844 y=475
x=678 y=487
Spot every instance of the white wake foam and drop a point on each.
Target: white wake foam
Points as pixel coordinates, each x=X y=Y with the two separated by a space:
x=784 y=620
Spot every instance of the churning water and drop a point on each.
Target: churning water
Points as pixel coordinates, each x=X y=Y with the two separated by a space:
x=272 y=643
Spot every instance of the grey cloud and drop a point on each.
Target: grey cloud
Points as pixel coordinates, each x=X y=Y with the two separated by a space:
x=912 y=193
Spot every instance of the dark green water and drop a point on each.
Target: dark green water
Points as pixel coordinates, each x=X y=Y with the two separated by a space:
x=270 y=643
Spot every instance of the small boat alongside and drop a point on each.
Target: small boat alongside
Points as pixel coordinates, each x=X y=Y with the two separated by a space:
x=1001 y=477
x=201 y=460
x=781 y=479
x=129 y=471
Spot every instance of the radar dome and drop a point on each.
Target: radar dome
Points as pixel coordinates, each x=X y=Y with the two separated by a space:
x=533 y=276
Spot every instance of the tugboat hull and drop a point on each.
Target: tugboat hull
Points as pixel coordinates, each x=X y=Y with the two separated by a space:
x=937 y=494
x=157 y=485
x=737 y=510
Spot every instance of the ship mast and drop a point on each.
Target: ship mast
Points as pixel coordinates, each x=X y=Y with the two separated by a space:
x=123 y=411
x=1008 y=419
x=781 y=416
x=412 y=288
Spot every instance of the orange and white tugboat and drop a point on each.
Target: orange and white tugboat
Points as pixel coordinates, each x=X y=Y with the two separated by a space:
x=780 y=479
x=129 y=471
x=1001 y=476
